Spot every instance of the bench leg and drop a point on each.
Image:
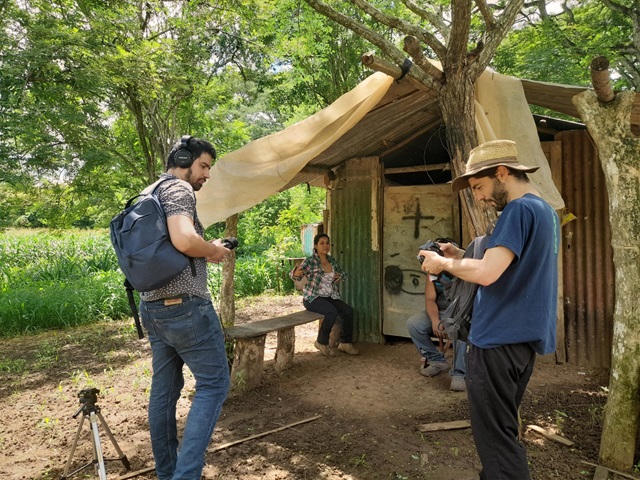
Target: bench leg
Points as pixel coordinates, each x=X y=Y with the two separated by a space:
x=285 y=349
x=248 y=359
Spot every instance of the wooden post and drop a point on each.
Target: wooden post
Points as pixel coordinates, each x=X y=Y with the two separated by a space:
x=248 y=359
x=227 y=302
x=285 y=349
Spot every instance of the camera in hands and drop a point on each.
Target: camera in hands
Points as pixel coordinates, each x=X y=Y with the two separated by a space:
x=432 y=246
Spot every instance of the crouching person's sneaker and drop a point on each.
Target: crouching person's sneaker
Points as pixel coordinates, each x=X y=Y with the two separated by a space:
x=324 y=349
x=434 y=368
x=458 y=384
x=348 y=348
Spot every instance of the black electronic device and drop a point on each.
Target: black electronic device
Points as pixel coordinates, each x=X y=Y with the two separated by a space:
x=183 y=157
x=230 y=243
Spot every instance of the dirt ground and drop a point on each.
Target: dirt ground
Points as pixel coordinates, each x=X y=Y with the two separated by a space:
x=362 y=412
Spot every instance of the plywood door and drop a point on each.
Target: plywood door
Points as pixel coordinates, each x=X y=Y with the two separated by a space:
x=412 y=215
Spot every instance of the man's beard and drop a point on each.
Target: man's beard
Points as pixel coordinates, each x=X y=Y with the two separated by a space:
x=195 y=185
x=499 y=196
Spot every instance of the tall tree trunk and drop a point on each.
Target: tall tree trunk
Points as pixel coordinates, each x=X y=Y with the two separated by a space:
x=619 y=152
x=227 y=300
x=457 y=106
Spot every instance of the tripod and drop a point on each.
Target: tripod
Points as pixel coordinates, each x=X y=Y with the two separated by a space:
x=90 y=410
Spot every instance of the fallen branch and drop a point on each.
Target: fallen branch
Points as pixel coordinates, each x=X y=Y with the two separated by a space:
x=227 y=445
x=258 y=435
x=550 y=436
x=438 y=426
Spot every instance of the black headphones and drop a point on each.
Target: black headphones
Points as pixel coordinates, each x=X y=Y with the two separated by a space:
x=183 y=157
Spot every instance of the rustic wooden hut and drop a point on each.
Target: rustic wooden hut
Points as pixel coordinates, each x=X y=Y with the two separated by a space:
x=388 y=191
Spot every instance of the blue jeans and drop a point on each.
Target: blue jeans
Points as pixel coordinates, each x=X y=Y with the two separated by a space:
x=186 y=333
x=421 y=331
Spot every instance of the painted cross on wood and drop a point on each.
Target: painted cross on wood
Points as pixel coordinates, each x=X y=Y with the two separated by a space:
x=417 y=217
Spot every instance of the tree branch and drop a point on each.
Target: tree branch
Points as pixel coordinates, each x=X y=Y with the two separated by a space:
x=412 y=47
x=486 y=14
x=631 y=71
x=617 y=7
x=387 y=47
x=403 y=26
x=542 y=8
x=566 y=9
x=494 y=36
x=460 y=25
x=436 y=20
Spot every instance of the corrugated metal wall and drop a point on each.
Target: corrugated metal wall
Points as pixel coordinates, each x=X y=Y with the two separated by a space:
x=354 y=229
x=589 y=293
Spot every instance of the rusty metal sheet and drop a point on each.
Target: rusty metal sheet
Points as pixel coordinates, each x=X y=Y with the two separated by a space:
x=588 y=284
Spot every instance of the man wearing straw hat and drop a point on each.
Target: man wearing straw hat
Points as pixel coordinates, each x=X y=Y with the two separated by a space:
x=514 y=314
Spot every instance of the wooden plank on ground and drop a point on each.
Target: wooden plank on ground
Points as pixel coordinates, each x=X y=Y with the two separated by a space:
x=262 y=327
x=438 y=426
x=550 y=436
x=600 y=471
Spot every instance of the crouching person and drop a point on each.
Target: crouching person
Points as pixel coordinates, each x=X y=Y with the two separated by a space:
x=425 y=325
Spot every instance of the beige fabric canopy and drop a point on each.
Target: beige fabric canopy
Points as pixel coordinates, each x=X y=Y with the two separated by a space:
x=245 y=177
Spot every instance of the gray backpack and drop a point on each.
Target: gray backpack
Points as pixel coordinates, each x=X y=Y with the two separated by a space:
x=146 y=256
x=456 y=319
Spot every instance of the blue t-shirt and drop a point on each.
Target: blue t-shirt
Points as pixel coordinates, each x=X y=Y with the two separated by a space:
x=520 y=307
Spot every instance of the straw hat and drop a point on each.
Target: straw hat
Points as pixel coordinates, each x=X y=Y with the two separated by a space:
x=488 y=155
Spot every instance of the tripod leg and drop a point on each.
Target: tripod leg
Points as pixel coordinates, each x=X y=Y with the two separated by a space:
x=123 y=457
x=73 y=449
x=97 y=448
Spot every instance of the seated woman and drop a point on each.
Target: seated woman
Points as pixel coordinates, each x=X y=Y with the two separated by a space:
x=320 y=294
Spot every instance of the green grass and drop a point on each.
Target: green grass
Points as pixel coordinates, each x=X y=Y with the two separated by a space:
x=57 y=279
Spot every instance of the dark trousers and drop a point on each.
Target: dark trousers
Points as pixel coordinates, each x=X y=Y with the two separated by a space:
x=331 y=308
x=496 y=381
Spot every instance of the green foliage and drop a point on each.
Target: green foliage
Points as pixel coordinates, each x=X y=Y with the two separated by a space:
x=55 y=279
x=314 y=60
x=560 y=48
x=535 y=53
x=275 y=223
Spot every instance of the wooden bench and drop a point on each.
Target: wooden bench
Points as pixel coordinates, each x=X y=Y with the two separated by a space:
x=248 y=353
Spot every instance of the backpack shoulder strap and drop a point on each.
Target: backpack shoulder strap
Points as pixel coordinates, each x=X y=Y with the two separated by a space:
x=151 y=189
x=479 y=246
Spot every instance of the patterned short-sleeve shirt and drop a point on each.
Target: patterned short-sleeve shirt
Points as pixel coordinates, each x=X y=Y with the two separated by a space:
x=177 y=198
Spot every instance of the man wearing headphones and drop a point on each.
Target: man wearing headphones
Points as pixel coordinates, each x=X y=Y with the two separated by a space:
x=182 y=325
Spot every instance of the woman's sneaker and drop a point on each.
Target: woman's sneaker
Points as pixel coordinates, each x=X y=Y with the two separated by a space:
x=348 y=348
x=324 y=349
